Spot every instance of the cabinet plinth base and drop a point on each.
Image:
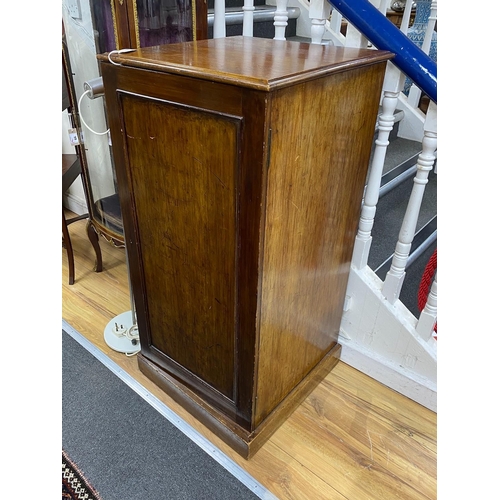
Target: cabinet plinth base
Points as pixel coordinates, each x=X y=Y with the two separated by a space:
x=244 y=442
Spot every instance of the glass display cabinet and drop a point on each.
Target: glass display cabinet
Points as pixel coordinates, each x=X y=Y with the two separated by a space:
x=98 y=26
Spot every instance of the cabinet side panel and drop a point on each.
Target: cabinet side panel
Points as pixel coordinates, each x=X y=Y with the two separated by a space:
x=321 y=140
x=182 y=168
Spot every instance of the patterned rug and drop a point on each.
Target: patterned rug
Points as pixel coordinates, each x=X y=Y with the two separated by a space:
x=74 y=484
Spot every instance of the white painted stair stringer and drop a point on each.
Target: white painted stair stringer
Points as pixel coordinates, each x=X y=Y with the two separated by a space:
x=380 y=340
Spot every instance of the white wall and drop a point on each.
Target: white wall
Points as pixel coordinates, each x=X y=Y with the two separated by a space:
x=84 y=66
x=74 y=199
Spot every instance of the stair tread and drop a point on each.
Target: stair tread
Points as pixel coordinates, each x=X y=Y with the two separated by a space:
x=400 y=150
x=389 y=216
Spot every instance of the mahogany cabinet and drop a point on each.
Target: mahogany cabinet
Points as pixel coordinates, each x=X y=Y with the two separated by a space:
x=241 y=165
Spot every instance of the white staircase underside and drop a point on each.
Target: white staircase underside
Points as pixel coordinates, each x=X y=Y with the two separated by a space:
x=380 y=339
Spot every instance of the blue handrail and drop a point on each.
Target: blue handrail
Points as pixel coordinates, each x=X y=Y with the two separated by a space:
x=409 y=58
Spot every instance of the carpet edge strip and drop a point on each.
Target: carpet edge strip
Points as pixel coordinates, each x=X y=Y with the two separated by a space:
x=232 y=467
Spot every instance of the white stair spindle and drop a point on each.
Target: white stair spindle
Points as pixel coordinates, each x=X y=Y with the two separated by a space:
x=219 y=19
x=392 y=86
x=248 y=9
x=395 y=276
x=280 y=19
x=319 y=11
x=405 y=21
x=354 y=38
x=415 y=92
x=335 y=21
x=428 y=316
x=384 y=6
x=426 y=45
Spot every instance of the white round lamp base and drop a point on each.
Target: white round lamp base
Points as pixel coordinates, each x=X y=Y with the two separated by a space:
x=115 y=334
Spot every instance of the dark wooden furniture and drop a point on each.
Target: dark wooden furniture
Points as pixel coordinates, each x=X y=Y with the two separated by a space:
x=241 y=165
x=396 y=17
x=122 y=24
x=71 y=170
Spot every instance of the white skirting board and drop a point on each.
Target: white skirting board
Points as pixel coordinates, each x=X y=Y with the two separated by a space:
x=75 y=204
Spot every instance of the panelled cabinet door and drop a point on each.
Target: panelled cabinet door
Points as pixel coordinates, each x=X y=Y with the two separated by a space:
x=186 y=165
x=182 y=165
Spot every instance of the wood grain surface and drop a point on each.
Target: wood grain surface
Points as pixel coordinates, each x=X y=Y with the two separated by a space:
x=183 y=164
x=315 y=185
x=257 y=63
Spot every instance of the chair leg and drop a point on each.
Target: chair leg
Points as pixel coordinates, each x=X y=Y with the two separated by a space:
x=69 y=250
x=94 y=239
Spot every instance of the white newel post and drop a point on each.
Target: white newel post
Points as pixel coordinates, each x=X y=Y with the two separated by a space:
x=219 y=18
x=280 y=19
x=319 y=11
x=248 y=9
x=428 y=316
x=395 y=276
x=393 y=84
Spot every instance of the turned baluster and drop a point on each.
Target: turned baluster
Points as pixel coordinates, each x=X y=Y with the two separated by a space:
x=280 y=19
x=248 y=9
x=395 y=276
x=319 y=11
x=428 y=316
x=405 y=21
x=219 y=19
x=392 y=85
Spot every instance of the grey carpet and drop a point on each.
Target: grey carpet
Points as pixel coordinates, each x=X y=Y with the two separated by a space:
x=127 y=449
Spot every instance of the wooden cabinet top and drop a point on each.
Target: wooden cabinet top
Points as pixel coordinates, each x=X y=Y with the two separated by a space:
x=257 y=63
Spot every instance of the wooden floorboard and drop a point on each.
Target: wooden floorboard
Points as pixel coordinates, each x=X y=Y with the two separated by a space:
x=352 y=438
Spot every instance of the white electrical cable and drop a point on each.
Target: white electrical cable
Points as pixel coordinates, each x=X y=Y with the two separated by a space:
x=121 y=51
x=109 y=57
x=81 y=116
x=131 y=336
x=131 y=333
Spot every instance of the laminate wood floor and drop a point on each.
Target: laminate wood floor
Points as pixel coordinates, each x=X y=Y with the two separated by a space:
x=353 y=438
